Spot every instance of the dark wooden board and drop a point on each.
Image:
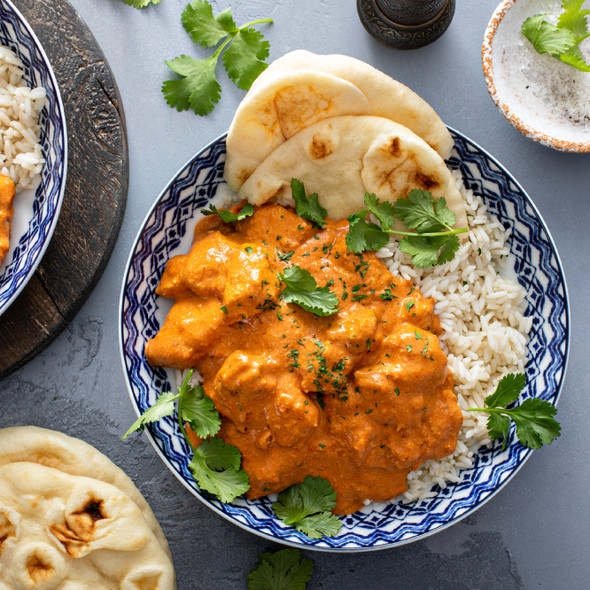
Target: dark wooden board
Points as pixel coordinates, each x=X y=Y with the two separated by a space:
x=96 y=188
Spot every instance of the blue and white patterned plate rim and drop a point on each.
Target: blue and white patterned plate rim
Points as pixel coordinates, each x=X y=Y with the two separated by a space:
x=524 y=455
x=23 y=279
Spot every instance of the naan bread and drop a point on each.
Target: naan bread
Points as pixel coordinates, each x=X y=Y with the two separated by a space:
x=385 y=96
x=277 y=110
x=60 y=531
x=72 y=456
x=341 y=158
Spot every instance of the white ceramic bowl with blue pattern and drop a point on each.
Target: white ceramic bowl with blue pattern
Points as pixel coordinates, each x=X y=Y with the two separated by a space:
x=167 y=231
x=35 y=211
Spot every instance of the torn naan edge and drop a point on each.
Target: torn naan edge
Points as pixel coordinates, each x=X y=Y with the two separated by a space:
x=75 y=457
x=66 y=531
x=342 y=158
x=279 y=109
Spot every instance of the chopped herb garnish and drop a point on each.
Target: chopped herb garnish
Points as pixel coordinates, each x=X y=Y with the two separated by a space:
x=229 y=216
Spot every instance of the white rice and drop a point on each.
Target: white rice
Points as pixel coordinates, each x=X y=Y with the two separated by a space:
x=484 y=331
x=21 y=158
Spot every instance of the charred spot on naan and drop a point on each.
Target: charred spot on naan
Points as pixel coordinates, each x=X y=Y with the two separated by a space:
x=7 y=529
x=320 y=147
x=426 y=182
x=38 y=569
x=78 y=528
x=394 y=147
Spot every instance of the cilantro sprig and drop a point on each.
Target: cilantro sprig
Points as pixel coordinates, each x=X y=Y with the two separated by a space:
x=285 y=569
x=229 y=216
x=561 y=40
x=434 y=240
x=307 y=506
x=244 y=50
x=215 y=465
x=141 y=3
x=307 y=207
x=533 y=418
x=301 y=288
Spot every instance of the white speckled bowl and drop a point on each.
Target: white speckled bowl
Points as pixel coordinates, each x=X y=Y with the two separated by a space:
x=533 y=91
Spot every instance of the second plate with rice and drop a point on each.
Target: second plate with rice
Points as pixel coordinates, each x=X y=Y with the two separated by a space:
x=29 y=95
x=471 y=299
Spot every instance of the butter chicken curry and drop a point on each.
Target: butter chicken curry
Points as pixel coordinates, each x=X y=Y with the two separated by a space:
x=360 y=397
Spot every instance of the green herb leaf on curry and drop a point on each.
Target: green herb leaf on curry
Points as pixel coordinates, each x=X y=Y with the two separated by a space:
x=301 y=288
x=307 y=506
x=307 y=207
x=434 y=241
x=216 y=468
x=199 y=411
x=215 y=465
x=229 y=216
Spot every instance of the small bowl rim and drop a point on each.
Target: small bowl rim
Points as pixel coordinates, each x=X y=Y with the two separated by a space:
x=488 y=70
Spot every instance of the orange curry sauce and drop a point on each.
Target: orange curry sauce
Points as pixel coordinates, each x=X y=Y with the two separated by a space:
x=360 y=397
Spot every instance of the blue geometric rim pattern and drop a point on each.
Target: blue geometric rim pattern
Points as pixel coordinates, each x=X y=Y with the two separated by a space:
x=538 y=268
x=16 y=34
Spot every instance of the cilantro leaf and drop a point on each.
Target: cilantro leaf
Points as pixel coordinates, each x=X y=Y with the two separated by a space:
x=219 y=455
x=141 y=3
x=229 y=216
x=197 y=89
x=508 y=390
x=301 y=288
x=285 y=569
x=498 y=427
x=433 y=242
x=535 y=424
x=533 y=418
x=244 y=58
x=420 y=211
x=382 y=211
x=164 y=406
x=364 y=236
x=448 y=249
x=307 y=506
x=215 y=465
x=574 y=58
x=319 y=525
x=199 y=411
x=203 y=28
x=560 y=40
x=424 y=251
x=245 y=49
x=214 y=468
x=307 y=207
x=545 y=37
x=574 y=18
